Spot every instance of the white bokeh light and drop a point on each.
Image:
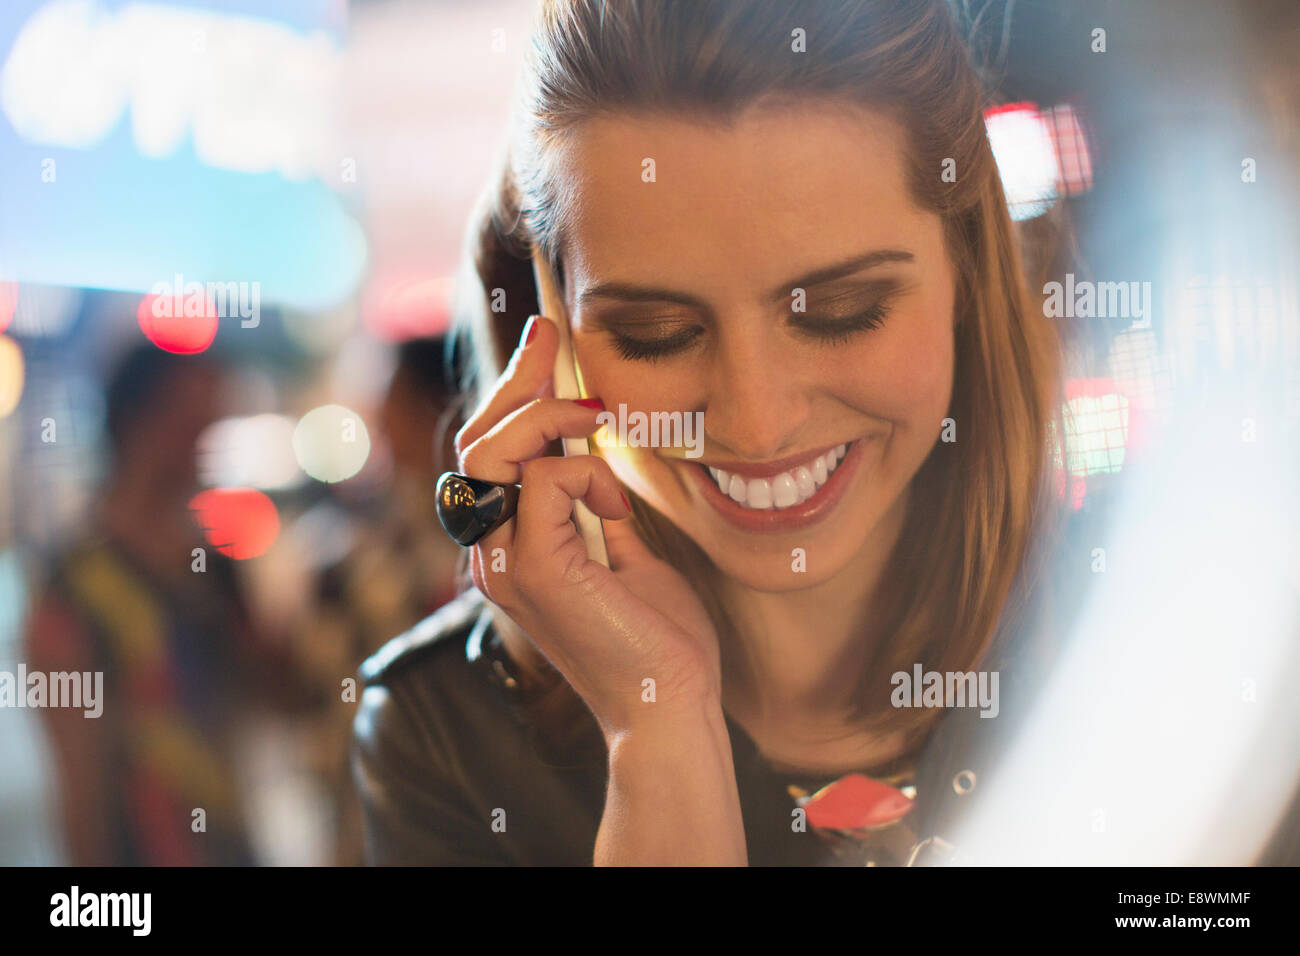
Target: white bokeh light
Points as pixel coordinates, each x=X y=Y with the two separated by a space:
x=331 y=443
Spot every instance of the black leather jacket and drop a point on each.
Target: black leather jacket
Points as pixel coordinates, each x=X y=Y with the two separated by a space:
x=442 y=749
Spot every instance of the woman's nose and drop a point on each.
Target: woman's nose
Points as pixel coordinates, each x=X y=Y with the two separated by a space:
x=756 y=404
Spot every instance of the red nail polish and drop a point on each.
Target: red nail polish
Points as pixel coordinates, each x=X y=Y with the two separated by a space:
x=530 y=329
x=626 y=503
x=591 y=403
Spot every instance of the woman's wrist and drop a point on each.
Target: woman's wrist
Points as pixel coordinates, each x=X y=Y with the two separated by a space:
x=672 y=704
x=672 y=797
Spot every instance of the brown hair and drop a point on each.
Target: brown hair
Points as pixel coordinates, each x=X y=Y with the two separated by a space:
x=976 y=502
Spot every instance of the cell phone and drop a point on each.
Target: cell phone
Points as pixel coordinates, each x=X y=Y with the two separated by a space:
x=568 y=384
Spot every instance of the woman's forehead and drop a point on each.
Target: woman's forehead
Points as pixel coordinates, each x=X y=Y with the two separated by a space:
x=664 y=193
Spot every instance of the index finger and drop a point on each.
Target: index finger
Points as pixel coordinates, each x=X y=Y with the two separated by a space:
x=526 y=377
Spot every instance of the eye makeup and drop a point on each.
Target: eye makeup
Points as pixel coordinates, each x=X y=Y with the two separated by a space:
x=643 y=336
x=830 y=321
x=858 y=313
x=637 y=349
x=840 y=330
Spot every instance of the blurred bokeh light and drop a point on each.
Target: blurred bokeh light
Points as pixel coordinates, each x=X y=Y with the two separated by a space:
x=241 y=523
x=331 y=443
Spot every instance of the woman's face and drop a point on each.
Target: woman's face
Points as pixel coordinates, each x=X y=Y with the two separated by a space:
x=684 y=296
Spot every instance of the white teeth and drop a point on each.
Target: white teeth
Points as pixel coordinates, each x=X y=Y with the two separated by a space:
x=783 y=490
x=804 y=479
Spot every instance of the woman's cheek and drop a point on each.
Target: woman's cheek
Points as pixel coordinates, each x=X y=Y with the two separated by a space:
x=639 y=386
x=902 y=373
x=643 y=397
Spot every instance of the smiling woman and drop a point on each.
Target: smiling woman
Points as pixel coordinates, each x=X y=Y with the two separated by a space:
x=746 y=209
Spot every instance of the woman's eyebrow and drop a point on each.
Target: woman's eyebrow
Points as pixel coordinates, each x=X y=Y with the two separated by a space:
x=848 y=267
x=629 y=292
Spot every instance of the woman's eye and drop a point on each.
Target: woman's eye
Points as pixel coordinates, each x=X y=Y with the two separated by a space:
x=829 y=329
x=639 y=349
x=840 y=330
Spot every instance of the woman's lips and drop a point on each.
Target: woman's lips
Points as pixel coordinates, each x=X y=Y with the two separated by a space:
x=769 y=468
x=777 y=520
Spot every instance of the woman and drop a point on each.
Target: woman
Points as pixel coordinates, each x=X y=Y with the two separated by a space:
x=789 y=220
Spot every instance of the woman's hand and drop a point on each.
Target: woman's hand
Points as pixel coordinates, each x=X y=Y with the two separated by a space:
x=672 y=795
x=605 y=631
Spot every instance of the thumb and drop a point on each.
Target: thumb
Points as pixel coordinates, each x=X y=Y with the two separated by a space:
x=625 y=547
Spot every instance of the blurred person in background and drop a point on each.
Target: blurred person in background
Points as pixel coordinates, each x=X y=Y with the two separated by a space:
x=401 y=568
x=419 y=419
x=124 y=599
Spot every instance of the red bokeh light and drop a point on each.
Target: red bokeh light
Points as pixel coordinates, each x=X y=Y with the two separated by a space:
x=1064 y=127
x=8 y=303
x=401 y=307
x=1135 y=428
x=241 y=523
x=164 y=322
x=1078 y=488
x=1073 y=158
x=1024 y=106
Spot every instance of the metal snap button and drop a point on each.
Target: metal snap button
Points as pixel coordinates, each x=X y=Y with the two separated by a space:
x=933 y=850
x=964 y=782
x=503 y=675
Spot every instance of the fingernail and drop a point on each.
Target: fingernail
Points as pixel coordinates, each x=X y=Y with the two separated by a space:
x=591 y=403
x=530 y=329
x=627 y=504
